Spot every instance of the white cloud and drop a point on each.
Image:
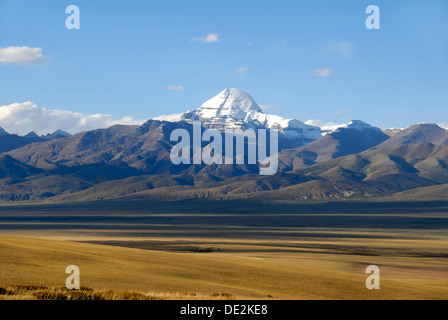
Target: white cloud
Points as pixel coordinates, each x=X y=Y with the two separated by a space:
x=25 y=117
x=210 y=38
x=343 y=48
x=20 y=55
x=174 y=88
x=443 y=125
x=242 y=69
x=323 y=72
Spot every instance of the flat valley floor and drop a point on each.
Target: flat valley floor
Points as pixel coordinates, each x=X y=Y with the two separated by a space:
x=226 y=250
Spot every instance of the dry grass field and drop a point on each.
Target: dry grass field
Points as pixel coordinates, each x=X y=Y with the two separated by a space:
x=161 y=259
x=241 y=272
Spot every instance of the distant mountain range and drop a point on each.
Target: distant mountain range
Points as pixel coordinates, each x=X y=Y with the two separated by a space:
x=355 y=161
x=14 y=141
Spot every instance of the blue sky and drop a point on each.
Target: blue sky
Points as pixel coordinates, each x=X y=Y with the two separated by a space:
x=127 y=53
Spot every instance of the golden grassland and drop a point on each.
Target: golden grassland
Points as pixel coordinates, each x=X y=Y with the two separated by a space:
x=315 y=268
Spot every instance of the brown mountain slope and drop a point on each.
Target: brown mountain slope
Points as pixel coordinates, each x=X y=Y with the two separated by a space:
x=419 y=133
x=145 y=148
x=12 y=168
x=373 y=173
x=139 y=146
x=431 y=193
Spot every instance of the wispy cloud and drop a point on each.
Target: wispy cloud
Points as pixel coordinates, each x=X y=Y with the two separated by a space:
x=284 y=48
x=210 y=38
x=242 y=69
x=20 y=55
x=27 y=116
x=174 y=88
x=323 y=72
x=343 y=48
x=266 y=107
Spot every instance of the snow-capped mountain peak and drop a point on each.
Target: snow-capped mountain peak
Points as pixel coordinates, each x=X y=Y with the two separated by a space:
x=235 y=109
x=359 y=125
x=232 y=103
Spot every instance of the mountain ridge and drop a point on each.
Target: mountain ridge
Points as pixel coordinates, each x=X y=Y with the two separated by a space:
x=354 y=161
